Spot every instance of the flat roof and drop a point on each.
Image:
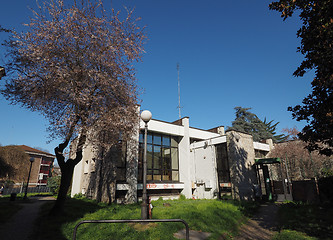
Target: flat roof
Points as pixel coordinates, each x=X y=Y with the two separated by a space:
x=267 y=160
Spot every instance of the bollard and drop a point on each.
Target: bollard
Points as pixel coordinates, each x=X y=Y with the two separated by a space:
x=13 y=197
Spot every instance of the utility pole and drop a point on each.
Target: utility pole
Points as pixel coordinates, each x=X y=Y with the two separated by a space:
x=179 y=107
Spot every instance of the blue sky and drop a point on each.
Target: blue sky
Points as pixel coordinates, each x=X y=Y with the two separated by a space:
x=231 y=53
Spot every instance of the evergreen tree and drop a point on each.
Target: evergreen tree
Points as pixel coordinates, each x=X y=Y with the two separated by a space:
x=249 y=122
x=316 y=34
x=271 y=128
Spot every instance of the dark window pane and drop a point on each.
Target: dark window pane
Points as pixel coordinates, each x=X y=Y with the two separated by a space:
x=157 y=172
x=149 y=156
x=166 y=158
x=157 y=157
x=141 y=139
x=166 y=141
x=157 y=139
x=140 y=155
x=150 y=138
x=222 y=163
x=140 y=175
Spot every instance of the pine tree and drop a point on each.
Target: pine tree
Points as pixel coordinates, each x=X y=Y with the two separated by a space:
x=249 y=122
x=271 y=128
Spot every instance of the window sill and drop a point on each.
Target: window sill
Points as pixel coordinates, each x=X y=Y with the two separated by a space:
x=162 y=185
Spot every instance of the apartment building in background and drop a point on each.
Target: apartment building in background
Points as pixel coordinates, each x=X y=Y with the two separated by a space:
x=41 y=167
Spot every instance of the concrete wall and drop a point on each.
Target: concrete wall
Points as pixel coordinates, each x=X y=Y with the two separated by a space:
x=241 y=159
x=205 y=174
x=83 y=171
x=204 y=177
x=185 y=162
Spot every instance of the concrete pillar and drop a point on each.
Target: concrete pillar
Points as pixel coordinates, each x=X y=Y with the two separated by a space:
x=220 y=130
x=270 y=143
x=241 y=159
x=185 y=164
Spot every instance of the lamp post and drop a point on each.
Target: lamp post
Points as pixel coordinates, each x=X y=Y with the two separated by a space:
x=32 y=159
x=145 y=116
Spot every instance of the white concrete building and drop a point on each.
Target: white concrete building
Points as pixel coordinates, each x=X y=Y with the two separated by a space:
x=180 y=160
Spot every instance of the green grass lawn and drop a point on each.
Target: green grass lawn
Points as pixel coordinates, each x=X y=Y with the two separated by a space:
x=216 y=217
x=307 y=221
x=291 y=235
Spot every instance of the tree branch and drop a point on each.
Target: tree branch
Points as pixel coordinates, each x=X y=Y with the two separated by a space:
x=60 y=149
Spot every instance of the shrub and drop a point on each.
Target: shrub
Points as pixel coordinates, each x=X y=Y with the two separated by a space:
x=325 y=189
x=54 y=183
x=291 y=235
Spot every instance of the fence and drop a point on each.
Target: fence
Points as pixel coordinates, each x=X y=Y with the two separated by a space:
x=325 y=189
x=39 y=189
x=305 y=190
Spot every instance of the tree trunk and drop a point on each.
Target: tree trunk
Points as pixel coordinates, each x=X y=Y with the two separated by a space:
x=66 y=178
x=67 y=169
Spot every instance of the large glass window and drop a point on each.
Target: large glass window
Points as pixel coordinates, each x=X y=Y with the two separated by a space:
x=162 y=157
x=222 y=163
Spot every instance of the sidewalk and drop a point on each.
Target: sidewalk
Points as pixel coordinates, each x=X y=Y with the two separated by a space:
x=21 y=225
x=262 y=225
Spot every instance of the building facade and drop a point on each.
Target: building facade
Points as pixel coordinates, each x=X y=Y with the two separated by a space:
x=180 y=160
x=41 y=167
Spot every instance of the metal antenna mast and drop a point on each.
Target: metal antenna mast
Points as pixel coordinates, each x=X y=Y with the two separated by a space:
x=179 y=107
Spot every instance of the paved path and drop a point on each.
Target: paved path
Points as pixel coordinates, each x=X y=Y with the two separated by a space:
x=194 y=235
x=262 y=225
x=21 y=225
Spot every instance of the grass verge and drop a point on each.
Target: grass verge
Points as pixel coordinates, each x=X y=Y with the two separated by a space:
x=312 y=220
x=291 y=235
x=218 y=218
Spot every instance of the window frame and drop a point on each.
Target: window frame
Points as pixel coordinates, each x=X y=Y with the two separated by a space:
x=162 y=142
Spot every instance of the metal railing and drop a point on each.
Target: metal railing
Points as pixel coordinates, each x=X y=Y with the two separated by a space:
x=40 y=189
x=134 y=221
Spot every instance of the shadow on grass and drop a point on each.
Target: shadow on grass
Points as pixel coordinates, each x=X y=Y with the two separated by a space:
x=52 y=227
x=314 y=220
x=8 y=209
x=248 y=208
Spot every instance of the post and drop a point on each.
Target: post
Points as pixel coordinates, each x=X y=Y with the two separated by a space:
x=26 y=188
x=144 y=206
x=145 y=116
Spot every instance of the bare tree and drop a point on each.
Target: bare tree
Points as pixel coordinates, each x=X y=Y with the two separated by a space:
x=292 y=133
x=302 y=164
x=74 y=64
x=14 y=164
